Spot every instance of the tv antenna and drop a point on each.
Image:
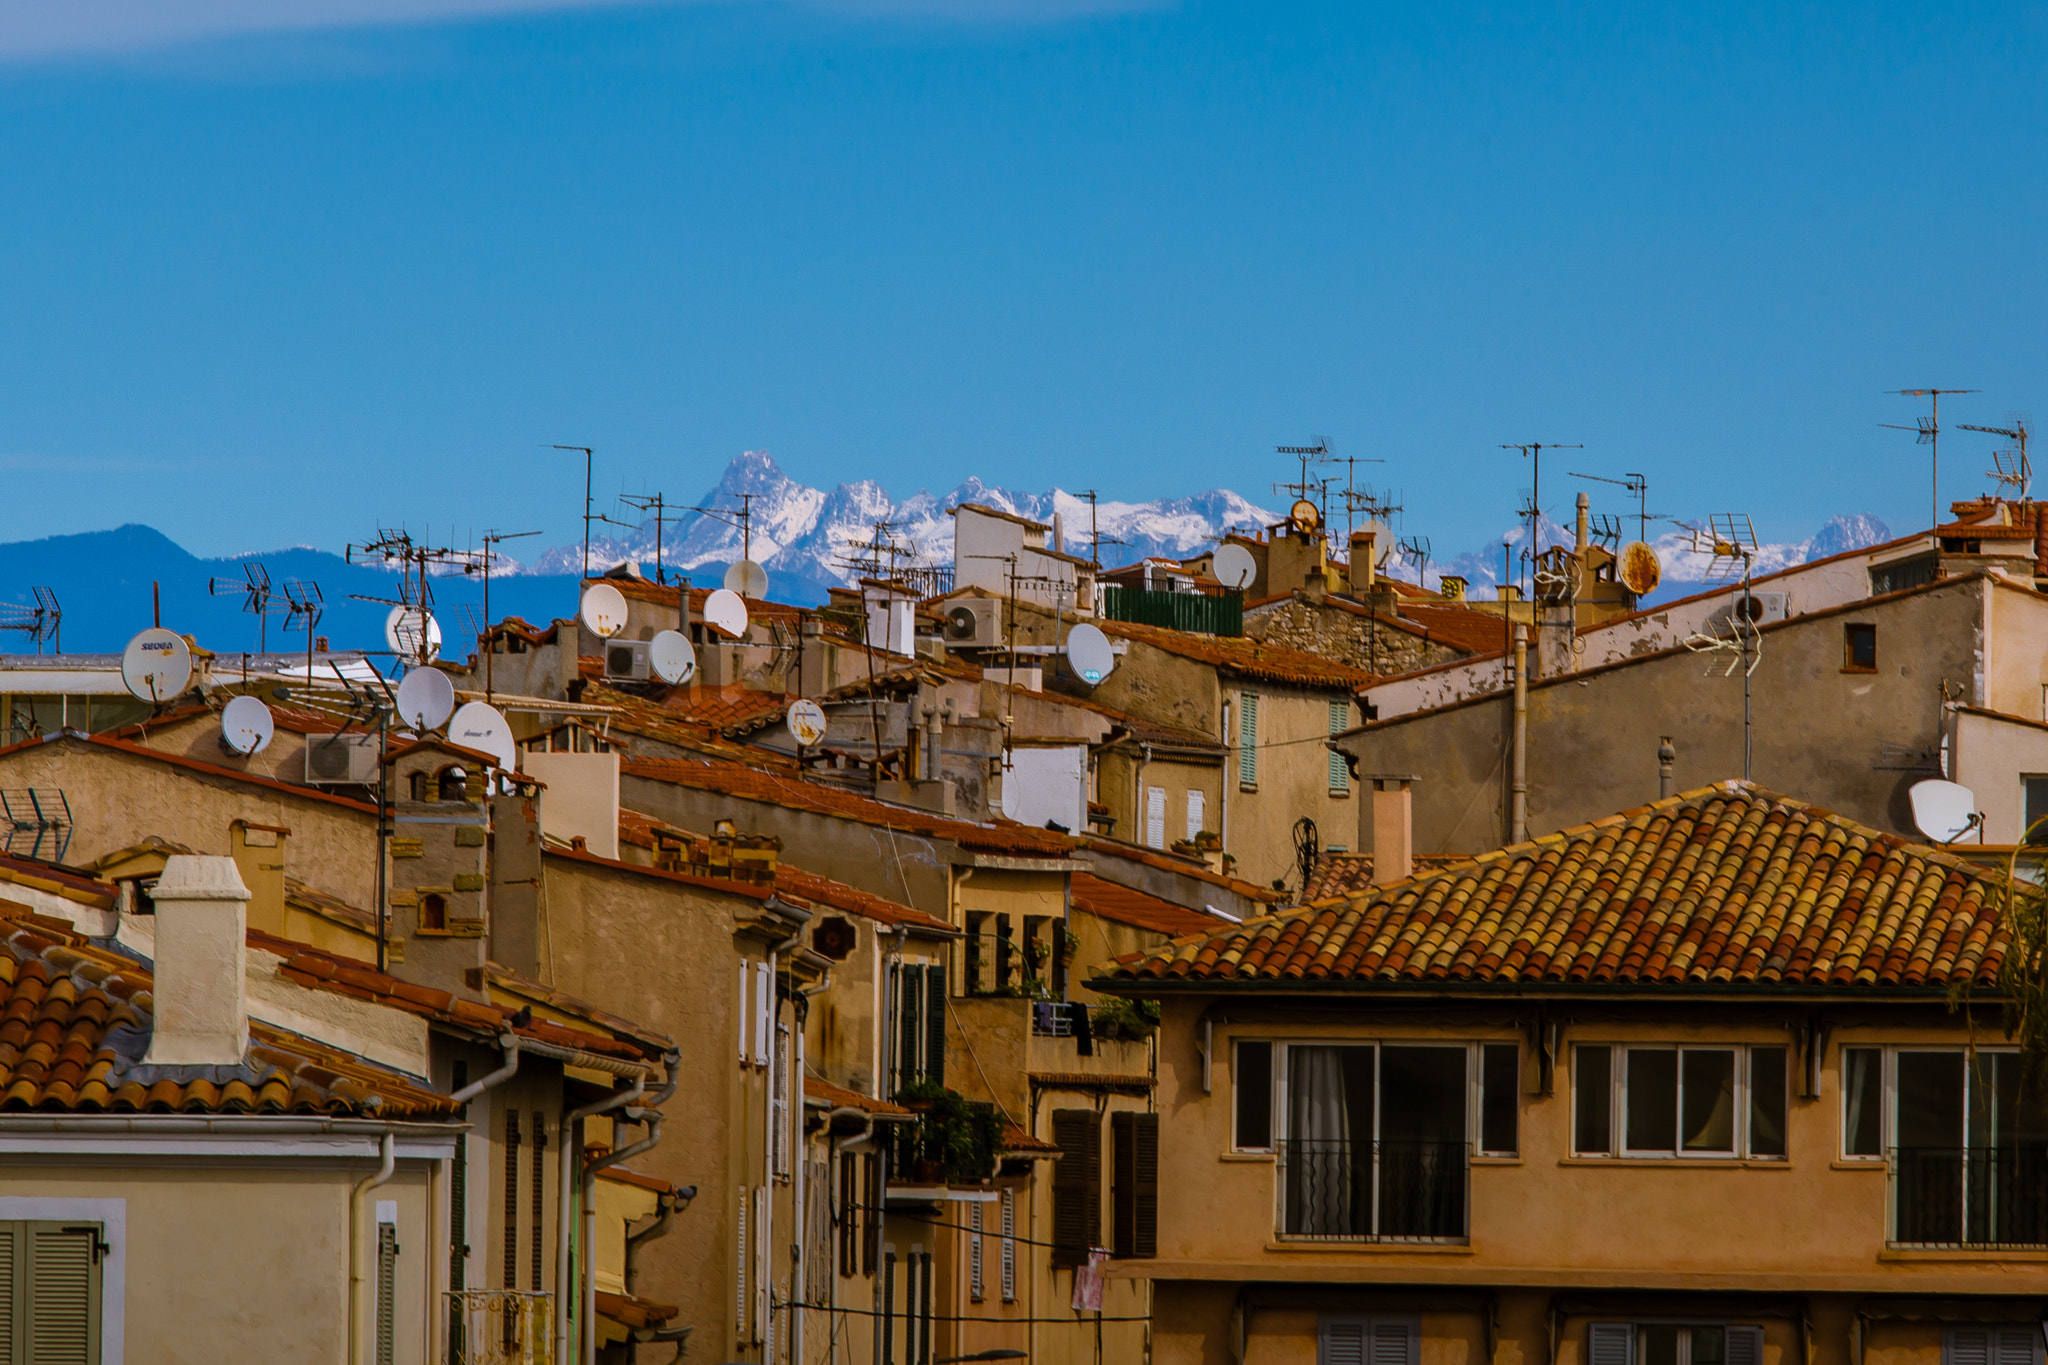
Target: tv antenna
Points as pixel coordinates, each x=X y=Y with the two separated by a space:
x=1731 y=540
x=37 y=621
x=258 y=598
x=1534 y=450
x=1416 y=548
x=303 y=609
x=1319 y=453
x=492 y=539
x=1638 y=486
x=2010 y=467
x=1929 y=428
x=414 y=591
x=587 y=457
x=1351 y=505
x=655 y=503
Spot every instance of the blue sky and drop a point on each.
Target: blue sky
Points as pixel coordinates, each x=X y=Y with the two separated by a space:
x=261 y=287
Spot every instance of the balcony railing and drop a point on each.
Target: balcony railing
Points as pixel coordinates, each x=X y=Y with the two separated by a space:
x=501 y=1327
x=1374 y=1191
x=1969 y=1196
x=1191 y=611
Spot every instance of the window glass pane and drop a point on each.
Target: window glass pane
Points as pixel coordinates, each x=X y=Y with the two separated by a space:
x=1652 y=1081
x=1709 y=1345
x=1659 y=1342
x=2037 y=801
x=1500 y=1086
x=1997 y=1118
x=1592 y=1083
x=1862 y=1101
x=1767 y=1101
x=1328 y=1154
x=1252 y=1076
x=1708 y=1097
x=1930 y=1100
x=1422 y=1094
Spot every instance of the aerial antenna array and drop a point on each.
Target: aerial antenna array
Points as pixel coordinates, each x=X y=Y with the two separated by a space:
x=2011 y=469
x=39 y=621
x=259 y=599
x=1731 y=541
x=1929 y=430
x=410 y=628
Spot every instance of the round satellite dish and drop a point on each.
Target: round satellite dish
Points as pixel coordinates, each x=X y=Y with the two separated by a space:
x=480 y=726
x=1943 y=811
x=748 y=579
x=425 y=698
x=727 y=611
x=671 y=657
x=157 y=665
x=1305 y=515
x=1640 y=572
x=1089 y=655
x=246 y=726
x=806 y=722
x=604 y=610
x=413 y=634
x=1234 y=566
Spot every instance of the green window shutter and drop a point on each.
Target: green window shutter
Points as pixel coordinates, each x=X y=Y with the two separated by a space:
x=1248 y=739
x=935 y=1024
x=1340 y=721
x=1076 y=1186
x=62 y=1309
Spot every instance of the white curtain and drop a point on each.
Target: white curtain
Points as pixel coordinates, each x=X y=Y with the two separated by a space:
x=1319 y=1143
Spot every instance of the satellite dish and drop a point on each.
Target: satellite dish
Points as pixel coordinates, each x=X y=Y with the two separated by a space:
x=1640 y=572
x=425 y=698
x=246 y=726
x=1234 y=566
x=157 y=665
x=671 y=657
x=806 y=722
x=1089 y=655
x=725 y=610
x=413 y=633
x=748 y=579
x=480 y=726
x=1305 y=515
x=604 y=610
x=1943 y=811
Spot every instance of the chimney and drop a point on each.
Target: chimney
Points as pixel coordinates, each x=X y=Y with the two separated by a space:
x=810 y=669
x=258 y=851
x=202 y=1006
x=1584 y=503
x=1361 y=570
x=1667 y=759
x=1390 y=832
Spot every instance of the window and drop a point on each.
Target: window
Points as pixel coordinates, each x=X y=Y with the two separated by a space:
x=1248 y=740
x=1009 y=1250
x=454 y=784
x=50 y=1290
x=1076 y=1186
x=1134 y=1185
x=433 y=913
x=1900 y=574
x=920 y=1013
x=2036 y=798
x=1674 y=1343
x=1340 y=771
x=1679 y=1101
x=387 y=1283
x=1992 y=1344
x=1862 y=1101
x=1967 y=1156
x=1155 y=817
x=849 y=1214
x=974 y=1276
x=1500 y=1098
x=1196 y=814
x=1252 y=1076
x=1347 y=1339
x=778 y=1104
x=1859 y=648
x=1374 y=1146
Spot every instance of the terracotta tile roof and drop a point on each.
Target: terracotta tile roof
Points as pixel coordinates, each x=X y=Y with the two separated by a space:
x=794 y=793
x=1462 y=628
x=1186 y=867
x=630 y=1311
x=1341 y=874
x=1245 y=658
x=625 y=1175
x=748 y=890
x=1016 y=1140
x=1727 y=887
x=671 y=722
x=76 y=1022
x=300 y=896
x=1122 y=905
x=826 y=1094
x=524 y=988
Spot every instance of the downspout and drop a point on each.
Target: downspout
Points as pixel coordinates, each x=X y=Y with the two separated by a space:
x=389 y=1152
x=564 y=1190
x=665 y=1219
x=1223 y=787
x=650 y=1114
x=1518 y=793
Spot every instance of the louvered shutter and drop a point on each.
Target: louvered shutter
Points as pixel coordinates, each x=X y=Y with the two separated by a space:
x=764 y=1012
x=1343 y=1343
x=63 y=1295
x=1009 y=1250
x=2012 y=1346
x=1155 y=817
x=1610 y=1343
x=1340 y=772
x=1076 y=1186
x=935 y=1024
x=10 y=1291
x=762 y=1215
x=739 y=1318
x=1196 y=813
x=974 y=1273
x=909 y=1024
x=387 y=1294
x=1746 y=1346
x=1134 y=1188
x=1394 y=1342
x=746 y=1011
x=1969 y=1346
x=1248 y=739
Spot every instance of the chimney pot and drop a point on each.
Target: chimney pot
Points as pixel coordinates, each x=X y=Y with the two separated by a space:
x=201 y=956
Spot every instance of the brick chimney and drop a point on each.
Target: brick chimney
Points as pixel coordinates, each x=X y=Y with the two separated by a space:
x=202 y=1005
x=1389 y=832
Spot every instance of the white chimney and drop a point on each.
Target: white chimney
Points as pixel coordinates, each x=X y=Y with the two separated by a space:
x=202 y=1006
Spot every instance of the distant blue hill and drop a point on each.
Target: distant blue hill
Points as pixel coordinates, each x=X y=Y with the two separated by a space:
x=102 y=580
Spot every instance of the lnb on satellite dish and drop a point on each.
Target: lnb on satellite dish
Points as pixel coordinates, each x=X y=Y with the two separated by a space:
x=246 y=726
x=425 y=698
x=1943 y=811
x=748 y=579
x=1089 y=654
x=603 y=610
x=1234 y=566
x=157 y=665
x=725 y=611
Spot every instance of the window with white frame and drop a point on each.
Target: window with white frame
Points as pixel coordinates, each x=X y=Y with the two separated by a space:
x=1661 y=1100
x=1197 y=812
x=1674 y=1342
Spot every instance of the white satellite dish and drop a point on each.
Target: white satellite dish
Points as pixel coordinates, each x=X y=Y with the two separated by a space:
x=480 y=726
x=246 y=726
x=726 y=610
x=806 y=722
x=604 y=610
x=1943 y=811
x=748 y=579
x=413 y=634
x=1089 y=654
x=672 y=657
x=157 y=665
x=1234 y=566
x=425 y=698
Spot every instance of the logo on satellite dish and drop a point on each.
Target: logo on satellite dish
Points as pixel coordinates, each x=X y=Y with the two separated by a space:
x=1089 y=654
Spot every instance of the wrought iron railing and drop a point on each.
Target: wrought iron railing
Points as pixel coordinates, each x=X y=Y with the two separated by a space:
x=501 y=1327
x=1374 y=1191
x=1969 y=1196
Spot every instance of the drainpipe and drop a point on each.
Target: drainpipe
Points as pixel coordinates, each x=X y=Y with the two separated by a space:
x=650 y=1114
x=565 y=1190
x=510 y=1043
x=389 y=1152
x=1666 y=757
x=666 y=1216
x=1518 y=797
x=1223 y=787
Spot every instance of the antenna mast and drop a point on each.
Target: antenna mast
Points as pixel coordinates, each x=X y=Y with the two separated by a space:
x=44 y=618
x=1534 y=450
x=491 y=539
x=586 y=505
x=2011 y=467
x=653 y=502
x=1929 y=428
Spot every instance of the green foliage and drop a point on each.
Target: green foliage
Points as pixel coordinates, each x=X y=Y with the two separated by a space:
x=2022 y=975
x=1125 y=1021
x=954 y=1134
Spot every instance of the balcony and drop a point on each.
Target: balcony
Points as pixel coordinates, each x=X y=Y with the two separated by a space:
x=1191 y=611
x=1374 y=1191
x=501 y=1326
x=1986 y=1198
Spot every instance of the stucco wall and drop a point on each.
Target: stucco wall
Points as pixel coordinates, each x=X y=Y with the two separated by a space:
x=1294 y=781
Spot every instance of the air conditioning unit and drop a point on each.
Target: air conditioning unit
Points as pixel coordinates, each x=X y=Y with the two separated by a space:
x=341 y=760
x=1762 y=607
x=628 y=660
x=973 y=623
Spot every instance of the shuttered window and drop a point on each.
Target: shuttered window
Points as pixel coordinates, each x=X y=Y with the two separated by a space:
x=1155 y=817
x=746 y=1010
x=778 y=1102
x=1990 y=1344
x=974 y=1278
x=1626 y=1343
x=1340 y=771
x=1076 y=1186
x=1009 y=1249
x=1346 y=1339
x=1247 y=739
x=50 y=1292
x=1134 y=1185
x=1610 y=1343
x=764 y=1012
x=935 y=1024
x=1196 y=814
x=387 y=1293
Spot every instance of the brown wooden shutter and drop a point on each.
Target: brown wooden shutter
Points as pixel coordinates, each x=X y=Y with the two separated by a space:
x=935 y=1024
x=1076 y=1186
x=1134 y=1188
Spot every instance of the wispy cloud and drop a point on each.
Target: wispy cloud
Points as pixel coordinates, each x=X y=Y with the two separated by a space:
x=35 y=30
